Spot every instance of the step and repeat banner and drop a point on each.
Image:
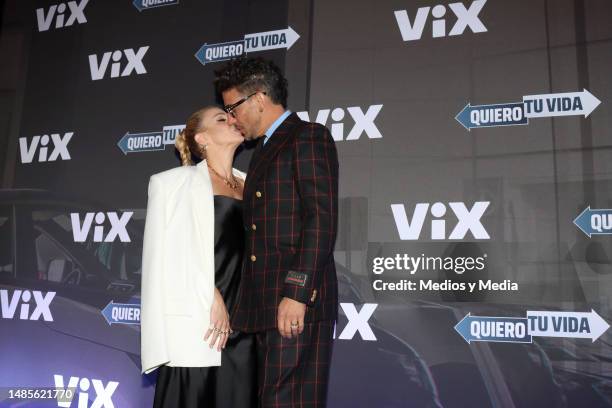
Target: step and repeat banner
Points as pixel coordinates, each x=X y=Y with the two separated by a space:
x=474 y=247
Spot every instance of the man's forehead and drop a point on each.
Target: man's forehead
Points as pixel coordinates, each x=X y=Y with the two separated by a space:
x=231 y=93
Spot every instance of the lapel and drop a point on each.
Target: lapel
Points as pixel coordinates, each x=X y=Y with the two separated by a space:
x=202 y=204
x=264 y=154
x=256 y=154
x=202 y=201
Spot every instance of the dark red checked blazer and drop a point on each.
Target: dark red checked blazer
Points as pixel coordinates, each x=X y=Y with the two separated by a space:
x=290 y=219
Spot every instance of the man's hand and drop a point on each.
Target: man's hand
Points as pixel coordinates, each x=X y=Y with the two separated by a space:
x=290 y=317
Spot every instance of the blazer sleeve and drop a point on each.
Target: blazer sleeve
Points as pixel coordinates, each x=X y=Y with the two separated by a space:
x=154 y=350
x=316 y=172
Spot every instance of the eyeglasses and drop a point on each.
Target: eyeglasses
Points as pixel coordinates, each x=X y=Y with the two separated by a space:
x=230 y=108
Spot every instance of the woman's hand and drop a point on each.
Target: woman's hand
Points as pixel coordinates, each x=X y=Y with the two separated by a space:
x=219 y=329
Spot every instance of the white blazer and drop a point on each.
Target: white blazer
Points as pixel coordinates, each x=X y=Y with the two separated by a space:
x=178 y=269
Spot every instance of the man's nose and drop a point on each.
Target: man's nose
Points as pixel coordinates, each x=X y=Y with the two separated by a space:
x=231 y=120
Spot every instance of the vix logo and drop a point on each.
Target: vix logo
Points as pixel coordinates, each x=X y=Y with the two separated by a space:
x=42 y=302
x=468 y=220
x=364 y=122
x=357 y=322
x=133 y=64
x=57 y=11
x=80 y=230
x=82 y=387
x=466 y=17
x=60 y=147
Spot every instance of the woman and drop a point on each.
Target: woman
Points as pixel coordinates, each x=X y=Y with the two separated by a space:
x=192 y=257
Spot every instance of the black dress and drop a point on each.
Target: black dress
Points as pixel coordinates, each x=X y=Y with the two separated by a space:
x=234 y=383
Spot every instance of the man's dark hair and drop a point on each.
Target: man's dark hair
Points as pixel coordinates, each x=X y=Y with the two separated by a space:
x=248 y=75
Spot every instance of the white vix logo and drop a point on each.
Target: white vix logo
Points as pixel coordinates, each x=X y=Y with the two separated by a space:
x=80 y=230
x=60 y=147
x=134 y=63
x=466 y=17
x=468 y=220
x=357 y=322
x=104 y=393
x=76 y=15
x=364 y=122
x=8 y=304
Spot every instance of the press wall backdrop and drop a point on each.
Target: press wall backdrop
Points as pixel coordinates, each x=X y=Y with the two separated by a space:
x=474 y=247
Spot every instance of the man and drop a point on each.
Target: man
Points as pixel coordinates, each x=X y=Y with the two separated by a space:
x=288 y=293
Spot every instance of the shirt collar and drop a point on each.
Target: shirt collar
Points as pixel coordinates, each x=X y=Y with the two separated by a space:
x=276 y=124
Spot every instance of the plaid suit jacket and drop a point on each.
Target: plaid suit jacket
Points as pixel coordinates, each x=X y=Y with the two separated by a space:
x=290 y=218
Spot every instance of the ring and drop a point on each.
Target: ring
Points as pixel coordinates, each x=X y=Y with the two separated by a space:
x=217 y=330
x=294 y=325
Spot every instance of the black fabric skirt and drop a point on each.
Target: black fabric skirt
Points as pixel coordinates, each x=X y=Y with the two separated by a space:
x=232 y=384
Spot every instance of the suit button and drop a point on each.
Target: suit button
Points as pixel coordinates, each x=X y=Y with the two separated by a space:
x=258 y=194
x=253 y=227
x=253 y=258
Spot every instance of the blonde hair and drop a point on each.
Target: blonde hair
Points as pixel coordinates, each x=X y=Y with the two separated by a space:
x=185 y=142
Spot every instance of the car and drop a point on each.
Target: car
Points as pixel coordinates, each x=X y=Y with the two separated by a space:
x=38 y=252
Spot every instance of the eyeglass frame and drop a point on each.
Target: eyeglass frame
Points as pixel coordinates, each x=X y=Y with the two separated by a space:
x=229 y=109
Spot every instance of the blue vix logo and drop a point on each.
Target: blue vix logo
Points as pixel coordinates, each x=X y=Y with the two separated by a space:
x=80 y=230
x=466 y=17
x=364 y=122
x=57 y=12
x=467 y=220
x=9 y=303
x=82 y=387
x=28 y=150
x=358 y=322
x=133 y=63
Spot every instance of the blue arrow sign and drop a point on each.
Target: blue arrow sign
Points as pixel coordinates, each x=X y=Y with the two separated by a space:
x=595 y=222
x=122 y=313
x=479 y=116
x=220 y=52
x=148 y=4
x=268 y=40
x=532 y=106
x=141 y=142
x=496 y=329
x=579 y=325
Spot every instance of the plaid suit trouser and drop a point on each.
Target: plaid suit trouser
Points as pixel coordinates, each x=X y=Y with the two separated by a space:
x=294 y=373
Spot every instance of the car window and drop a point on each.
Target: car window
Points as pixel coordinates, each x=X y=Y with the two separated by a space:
x=57 y=253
